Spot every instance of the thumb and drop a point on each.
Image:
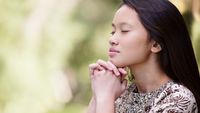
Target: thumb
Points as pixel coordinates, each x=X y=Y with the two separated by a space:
x=124 y=84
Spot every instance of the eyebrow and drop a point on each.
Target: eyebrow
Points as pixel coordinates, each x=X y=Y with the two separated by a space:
x=121 y=24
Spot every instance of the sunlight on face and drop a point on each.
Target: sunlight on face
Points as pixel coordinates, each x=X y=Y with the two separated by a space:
x=129 y=43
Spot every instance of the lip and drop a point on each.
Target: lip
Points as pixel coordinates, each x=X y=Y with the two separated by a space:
x=112 y=52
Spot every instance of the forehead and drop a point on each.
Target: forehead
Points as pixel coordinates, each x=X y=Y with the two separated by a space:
x=125 y=14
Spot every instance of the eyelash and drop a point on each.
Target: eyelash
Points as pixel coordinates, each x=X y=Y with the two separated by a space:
x=124 y=31
x=112 y=33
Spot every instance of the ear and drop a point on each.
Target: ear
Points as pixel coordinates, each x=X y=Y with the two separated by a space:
x=155 y=48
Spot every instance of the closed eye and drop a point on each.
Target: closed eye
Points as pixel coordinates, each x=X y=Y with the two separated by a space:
x=124 y=31
x=112 y=33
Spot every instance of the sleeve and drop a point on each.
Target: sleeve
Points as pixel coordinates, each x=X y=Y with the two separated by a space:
x=177 y=102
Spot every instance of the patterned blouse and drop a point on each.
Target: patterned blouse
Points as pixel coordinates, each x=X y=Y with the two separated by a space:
x=169 y=98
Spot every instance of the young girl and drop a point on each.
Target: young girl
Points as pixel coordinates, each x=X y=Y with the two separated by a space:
x=151 y=39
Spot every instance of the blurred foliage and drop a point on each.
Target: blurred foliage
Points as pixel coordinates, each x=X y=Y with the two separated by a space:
x=46 y=46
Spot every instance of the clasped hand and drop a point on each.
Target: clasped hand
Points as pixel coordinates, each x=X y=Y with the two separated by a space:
x=107 y=81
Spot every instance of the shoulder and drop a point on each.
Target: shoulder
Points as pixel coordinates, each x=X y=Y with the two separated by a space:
x=175 y=98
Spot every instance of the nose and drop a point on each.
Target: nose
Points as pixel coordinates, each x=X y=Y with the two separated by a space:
x=113 y=41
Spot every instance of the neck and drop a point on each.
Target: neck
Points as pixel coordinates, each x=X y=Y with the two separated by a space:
x=148 y=76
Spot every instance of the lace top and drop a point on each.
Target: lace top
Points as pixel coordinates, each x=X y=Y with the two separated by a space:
x=169 y=98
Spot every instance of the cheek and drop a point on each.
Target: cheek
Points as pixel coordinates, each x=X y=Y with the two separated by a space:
x=135 y=50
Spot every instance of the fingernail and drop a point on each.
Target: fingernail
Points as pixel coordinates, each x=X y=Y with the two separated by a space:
x=122 y=71
x=125 y=72
x=117 y=73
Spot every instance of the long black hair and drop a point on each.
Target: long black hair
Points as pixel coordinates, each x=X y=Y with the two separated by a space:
x=166 y=26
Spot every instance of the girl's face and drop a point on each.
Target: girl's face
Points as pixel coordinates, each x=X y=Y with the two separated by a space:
x=129 y=42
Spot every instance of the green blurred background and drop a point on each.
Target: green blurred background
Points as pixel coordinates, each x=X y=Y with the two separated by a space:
x=46 y=46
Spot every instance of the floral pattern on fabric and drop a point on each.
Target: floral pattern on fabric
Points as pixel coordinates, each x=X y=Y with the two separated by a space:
x=169 y=98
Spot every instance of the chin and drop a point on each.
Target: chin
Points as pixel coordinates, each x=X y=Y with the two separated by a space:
x=118 y=63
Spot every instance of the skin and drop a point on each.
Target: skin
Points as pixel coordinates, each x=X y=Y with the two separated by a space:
x=136 y=51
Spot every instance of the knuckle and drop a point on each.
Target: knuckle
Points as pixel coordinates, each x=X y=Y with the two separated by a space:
x=99 y=60
x=91 y=65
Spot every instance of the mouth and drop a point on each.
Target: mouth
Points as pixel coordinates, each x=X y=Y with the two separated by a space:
x=112 y=52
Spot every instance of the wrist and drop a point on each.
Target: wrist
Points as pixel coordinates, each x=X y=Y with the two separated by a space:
x=105 y=105
x=104 y=99
x=92 y=106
